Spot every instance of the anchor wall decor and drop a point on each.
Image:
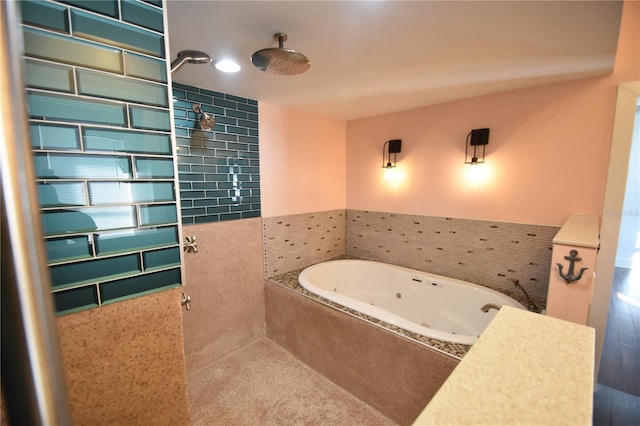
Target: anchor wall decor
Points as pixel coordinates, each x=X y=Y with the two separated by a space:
x=572 y=258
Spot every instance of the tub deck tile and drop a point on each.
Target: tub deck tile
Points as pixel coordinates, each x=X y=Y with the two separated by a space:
x=289 y=280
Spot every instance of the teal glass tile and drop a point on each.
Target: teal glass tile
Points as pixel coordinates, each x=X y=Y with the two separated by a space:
x=110 y=86
x=94 y=270
x=56 y=222
x=145 y=67
x=161 y=258
x=126 y=141
x=68 y=108
x=81 y=166
x=137 y=286
x=158 y=214
x=111 y=32
x=105 y=7
x=76 y=299
x=53 y=136
x=154 y=167
x=130 y=192
x=68 y=248
x=154 y=2
x=142 y=15
x=45 y=14
x=135 y=239
x=40 y=44
x=62 y=194
x=147 y=118
x=50 y=76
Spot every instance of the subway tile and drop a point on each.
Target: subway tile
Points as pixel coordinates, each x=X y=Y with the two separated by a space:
x=237 y=114
x=93 y=83
x=154 y=2
x=75 y=299
x=142 y=15
x=62 y=194
x=145 y=67
x=126 y=141
x=51 y=165
x=199 y=98
x=225 y=103
x=45 y=15
x=53 y=136
x=147 y=118
x=44 y=75
x=178 y=93
x=154 y=168
x=163 y=258
x=130 y=192
x=89 y=271
x=248 y=123
x=68 y=248
x=55 y=222
x=248 y=108
x=206 y=219
x=209 y=92
x=69 y=108
x=112 y=32
x=134 y=239
x=143 y=284
x=158 y=214
x=194 y=212
x=104 y=7
x=54 y=47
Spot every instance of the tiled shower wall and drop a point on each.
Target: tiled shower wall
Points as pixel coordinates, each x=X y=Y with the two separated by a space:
x=98 y=101
x=481 y=252
x=219 y=168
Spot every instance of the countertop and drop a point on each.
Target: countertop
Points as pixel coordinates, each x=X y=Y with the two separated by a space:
x=579 y=230
x=526 y=369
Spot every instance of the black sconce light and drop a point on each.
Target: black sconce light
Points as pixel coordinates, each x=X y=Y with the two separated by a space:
x=476 y=138
x=390 y=147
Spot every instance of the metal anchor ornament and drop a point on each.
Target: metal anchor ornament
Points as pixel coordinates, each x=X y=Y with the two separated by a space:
x=572 y=258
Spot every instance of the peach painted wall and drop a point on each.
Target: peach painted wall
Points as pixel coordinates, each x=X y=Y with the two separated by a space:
x=302 y=161
x=546 y=158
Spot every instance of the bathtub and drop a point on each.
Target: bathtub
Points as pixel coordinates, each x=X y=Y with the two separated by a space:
x=434 y=306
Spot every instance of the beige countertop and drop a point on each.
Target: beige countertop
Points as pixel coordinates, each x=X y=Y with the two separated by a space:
x=579 y=230
x=525 y=369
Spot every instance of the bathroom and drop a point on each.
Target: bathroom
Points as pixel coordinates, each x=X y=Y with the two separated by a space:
x=552 y=132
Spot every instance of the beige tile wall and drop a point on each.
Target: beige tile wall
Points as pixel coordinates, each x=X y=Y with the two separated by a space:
x=224 y=281
x=296 y=241
x=481 y=252
x=124 y=363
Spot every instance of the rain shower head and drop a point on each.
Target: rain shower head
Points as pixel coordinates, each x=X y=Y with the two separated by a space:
x=279 y=60
x=190 y=56
x=206 y=121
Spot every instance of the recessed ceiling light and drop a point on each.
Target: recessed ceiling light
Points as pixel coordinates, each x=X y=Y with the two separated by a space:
x=227 y=65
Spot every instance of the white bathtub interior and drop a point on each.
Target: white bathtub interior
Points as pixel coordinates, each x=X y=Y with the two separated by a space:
x=431 y=305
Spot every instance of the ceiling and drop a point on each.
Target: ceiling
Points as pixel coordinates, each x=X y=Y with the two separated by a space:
x=375 y=57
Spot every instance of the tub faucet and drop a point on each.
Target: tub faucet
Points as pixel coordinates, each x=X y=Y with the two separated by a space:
x=488 y=306
x=531 y=305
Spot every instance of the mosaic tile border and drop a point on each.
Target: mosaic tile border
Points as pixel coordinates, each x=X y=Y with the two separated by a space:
x=481 y=252
x=289 y=280
x=296 y=241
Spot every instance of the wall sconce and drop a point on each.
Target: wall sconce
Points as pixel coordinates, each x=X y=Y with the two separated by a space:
x=390 y=147
x=476 y=138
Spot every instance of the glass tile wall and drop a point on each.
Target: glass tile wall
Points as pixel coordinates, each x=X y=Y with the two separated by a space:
x=98 y=100
x=219 y=168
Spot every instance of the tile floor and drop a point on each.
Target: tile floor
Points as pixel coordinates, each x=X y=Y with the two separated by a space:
x=263 y=384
